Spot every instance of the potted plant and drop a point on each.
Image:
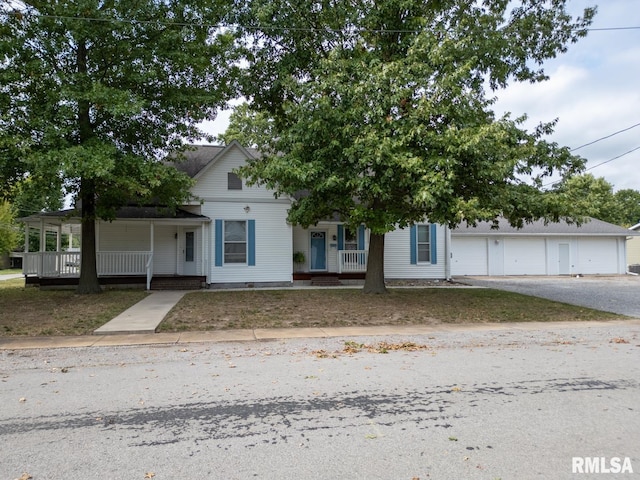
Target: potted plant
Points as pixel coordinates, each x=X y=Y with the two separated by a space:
x=299 y=259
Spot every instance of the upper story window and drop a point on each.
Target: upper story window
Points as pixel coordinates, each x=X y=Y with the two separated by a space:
x=234 y=182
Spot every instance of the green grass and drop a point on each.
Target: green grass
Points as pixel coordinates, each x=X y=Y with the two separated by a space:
x=10 y=271
x=32 y=312
x=349 y=307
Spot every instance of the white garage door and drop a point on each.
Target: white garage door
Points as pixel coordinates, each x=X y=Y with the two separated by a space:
x=524 y=256
x=469 y=256
x=597 y=256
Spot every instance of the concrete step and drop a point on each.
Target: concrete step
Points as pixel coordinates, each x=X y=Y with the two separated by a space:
x=325 y=282
x=176 y=283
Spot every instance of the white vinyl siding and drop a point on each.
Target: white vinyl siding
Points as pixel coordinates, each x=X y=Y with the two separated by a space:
x=273 y=243
x=213 y=184
x=165 y=250
x=397 y=260
x=122 y=236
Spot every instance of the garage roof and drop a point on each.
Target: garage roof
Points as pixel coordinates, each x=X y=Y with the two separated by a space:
x=592 y=227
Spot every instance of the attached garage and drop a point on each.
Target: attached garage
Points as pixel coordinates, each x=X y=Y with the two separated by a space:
x=470 y=257
x=594 y=248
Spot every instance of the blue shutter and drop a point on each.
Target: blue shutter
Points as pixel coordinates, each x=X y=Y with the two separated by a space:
x=340 y=237
x=361 y=237
x=251 y=253
x=219 y=243
x=413 y=239
x=433 y=230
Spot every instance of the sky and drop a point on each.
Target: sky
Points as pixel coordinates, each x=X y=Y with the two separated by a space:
x=593 y=92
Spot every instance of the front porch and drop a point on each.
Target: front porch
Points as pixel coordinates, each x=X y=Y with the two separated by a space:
x=142 y=248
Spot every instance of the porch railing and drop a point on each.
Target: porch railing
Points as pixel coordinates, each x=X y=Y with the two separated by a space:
x=122 y=263
x=352 y=261
x=67 y=264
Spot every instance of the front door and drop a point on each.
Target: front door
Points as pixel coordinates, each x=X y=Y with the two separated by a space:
x=318 y=250
x=189 y=252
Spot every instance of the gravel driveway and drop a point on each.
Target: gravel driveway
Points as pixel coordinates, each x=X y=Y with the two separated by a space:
x=617 y=294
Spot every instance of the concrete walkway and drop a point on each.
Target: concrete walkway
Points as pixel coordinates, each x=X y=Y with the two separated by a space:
x=11 y=276
x=144 y=316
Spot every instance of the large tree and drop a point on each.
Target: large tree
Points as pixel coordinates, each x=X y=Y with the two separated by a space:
x=591 y=196
x=379 y=110
x=8 y=228
x=628 y=205
x=97 y=92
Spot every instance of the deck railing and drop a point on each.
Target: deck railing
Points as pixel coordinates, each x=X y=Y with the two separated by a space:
x=352 y=261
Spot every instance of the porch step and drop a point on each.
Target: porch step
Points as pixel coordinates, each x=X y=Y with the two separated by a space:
x=177 y=283
x=325 y=282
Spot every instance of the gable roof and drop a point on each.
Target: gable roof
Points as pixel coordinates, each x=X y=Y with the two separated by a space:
x=200 y=158
x=591 y=227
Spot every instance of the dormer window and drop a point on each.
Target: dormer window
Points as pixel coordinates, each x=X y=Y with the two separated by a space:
x=234 y=182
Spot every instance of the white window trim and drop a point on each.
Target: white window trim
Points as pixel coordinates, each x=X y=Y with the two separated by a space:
x=224 y=243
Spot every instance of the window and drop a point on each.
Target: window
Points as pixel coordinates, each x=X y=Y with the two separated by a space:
x=189 y=246
x=234 y=182
x=422 y=247
x=235 y=241
x=350 y=239
x=423 y=244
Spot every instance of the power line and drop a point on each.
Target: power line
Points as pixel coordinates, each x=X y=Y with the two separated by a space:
x=261 y=27
x=605 y=137
x=612 y=159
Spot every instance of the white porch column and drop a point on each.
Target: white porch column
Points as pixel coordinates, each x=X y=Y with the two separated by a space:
x=447 y=253
x=43 y=237
x=26 y=238
x=59 y=238
x=203 y=249
x=43 y=248
x=151 y=236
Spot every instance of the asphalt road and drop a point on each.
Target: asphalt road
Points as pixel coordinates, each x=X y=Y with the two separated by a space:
x=476 y=404
x=617 y=294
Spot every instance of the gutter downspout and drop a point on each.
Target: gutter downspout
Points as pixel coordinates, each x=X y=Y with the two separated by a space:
x=448 y=255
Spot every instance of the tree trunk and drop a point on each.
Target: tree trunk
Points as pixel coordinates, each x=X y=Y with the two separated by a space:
x=88 y=270
x=374 y=279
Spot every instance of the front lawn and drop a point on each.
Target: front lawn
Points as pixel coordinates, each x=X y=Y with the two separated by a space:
x=31 y=311
x=350 y=307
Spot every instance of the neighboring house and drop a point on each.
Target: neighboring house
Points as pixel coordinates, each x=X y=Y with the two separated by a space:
x=633 y=249
x=233 y=234
x=593 y=248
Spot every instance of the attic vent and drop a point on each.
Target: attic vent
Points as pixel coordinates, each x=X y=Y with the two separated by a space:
x=233 y=181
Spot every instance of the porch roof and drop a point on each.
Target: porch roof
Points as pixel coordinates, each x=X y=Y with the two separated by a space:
x=72 y=215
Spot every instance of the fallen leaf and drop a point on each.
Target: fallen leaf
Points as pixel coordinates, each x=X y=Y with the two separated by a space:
x=24 y=476
x=22 y=400
x=149 y=475
x=618 y=340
